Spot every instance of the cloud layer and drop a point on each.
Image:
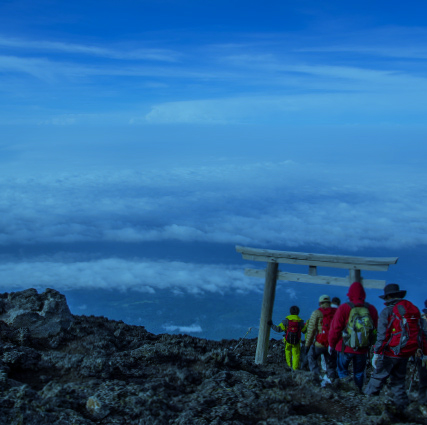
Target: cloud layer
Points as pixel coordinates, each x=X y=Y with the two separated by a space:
x=112 y=273
x=283 y=203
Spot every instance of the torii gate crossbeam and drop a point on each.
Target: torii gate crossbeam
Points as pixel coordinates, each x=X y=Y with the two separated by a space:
x=272 y=274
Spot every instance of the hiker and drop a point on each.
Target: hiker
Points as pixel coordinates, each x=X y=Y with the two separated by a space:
x=336 y=302
x=399 y=336
x=352 y=333
x=316 y=340
x=421 y=362
x=293 y=326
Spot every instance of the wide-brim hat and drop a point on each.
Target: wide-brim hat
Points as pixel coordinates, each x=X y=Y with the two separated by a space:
x=393 y=290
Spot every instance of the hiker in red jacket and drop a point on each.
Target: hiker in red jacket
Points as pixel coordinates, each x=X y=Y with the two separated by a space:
x=399 y=336
x=352 y=332
x=316 y=340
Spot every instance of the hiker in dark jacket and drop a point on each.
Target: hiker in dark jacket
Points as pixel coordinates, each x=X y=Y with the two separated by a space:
x=293 y=326
x=390 y=358
x=336 y=302
x=422 y=367
x=359 y=352
x=316 y=340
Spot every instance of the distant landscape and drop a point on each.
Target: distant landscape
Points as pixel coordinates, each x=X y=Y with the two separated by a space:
x=229 y=315
x=217 y=314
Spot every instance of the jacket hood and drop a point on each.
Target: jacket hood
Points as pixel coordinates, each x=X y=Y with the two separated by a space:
x=294 y=317
x=356 y=293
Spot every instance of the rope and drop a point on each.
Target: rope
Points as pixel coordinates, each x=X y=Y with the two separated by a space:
x=241 y=339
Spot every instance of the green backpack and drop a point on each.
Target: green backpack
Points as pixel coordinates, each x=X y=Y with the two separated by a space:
x=360 y=328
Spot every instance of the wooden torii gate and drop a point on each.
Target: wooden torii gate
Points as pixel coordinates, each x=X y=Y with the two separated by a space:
x=272 y=274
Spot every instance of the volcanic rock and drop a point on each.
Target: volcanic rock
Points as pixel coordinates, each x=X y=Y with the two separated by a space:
x=101 y=371
x=43 y=317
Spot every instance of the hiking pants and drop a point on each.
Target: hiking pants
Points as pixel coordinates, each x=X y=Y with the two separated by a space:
x=359 y=366
x=292 y=353
x=395 y=368
x=331 y=361
x=422 y=387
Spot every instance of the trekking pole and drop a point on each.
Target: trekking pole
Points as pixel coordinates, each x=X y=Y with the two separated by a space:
x=241 y=339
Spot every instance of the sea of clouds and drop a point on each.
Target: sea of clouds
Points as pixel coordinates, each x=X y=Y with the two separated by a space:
x=259 y=204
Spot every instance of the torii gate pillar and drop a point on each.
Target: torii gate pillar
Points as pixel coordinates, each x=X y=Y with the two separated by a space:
x=272 y=274
x=266 y=311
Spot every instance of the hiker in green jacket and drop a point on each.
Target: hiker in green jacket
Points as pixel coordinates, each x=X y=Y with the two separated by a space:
x=293 y=326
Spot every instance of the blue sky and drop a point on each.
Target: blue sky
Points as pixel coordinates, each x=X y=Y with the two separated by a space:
x=268 y=124
x=160 y=63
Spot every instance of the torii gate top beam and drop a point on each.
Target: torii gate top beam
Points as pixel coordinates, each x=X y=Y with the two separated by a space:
x=322 y=260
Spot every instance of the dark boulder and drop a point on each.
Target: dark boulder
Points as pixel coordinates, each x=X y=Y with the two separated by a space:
x=41 y=318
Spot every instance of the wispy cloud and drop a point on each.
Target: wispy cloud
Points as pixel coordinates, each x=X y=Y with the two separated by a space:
x=407 y=52
x=39 y=66
x=184 y=329
x=36 y=67
x=352 y=107
x=389 y=41
x=292 y=293
x=119 y=52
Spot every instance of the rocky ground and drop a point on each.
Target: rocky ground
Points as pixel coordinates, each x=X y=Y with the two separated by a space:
x=56 y=368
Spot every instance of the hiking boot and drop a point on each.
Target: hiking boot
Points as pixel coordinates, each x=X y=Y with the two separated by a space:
x=336 y=384
x=317 y=379
x=391 y=409
x=395 y=410
x=346 y=384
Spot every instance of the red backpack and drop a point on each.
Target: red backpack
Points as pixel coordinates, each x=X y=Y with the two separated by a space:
x=293 y=332
x=328 y=315
x=404 y=329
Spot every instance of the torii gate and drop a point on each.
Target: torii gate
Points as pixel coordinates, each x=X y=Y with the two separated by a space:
x=272 y=274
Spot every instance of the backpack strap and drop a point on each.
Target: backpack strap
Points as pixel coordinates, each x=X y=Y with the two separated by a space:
x=386 y=343
x=343 y=343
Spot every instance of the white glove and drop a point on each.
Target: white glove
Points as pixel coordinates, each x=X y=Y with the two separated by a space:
x=330 y=350
x=374 y=360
